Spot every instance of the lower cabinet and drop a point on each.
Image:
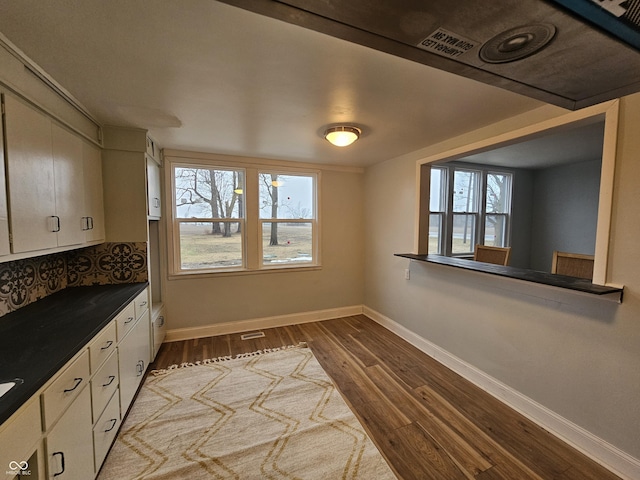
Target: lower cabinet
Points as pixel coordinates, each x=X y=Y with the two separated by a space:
x=105 y=430
x=70 y=442
x=67 y=429
x=133 y=354
x=159 y=331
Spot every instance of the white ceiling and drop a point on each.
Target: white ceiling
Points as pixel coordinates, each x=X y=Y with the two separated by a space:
x=579 y=144
x=206 y=76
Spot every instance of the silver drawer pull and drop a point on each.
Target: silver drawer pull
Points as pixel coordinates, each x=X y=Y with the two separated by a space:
x=107 y=345
x=143 y=304
x=160 y=321
x=78 y=382
x=113 y=424
x=128 y=320
x=111 y=379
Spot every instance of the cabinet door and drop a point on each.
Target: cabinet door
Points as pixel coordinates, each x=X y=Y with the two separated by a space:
x=93 y=193
x=5 y=247
x=159 y=328
x=133 y=352
x=69 y=185
x=153 y=189
x=30 y=175
x=70 y=442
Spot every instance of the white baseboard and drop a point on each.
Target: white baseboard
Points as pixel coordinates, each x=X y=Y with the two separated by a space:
x=612 y=458
x=258 y=323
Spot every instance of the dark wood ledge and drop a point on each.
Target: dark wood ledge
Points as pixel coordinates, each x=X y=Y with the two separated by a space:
x=544 y=278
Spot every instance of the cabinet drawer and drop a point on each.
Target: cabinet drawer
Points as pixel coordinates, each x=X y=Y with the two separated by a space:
x=20 y=434
x=125 y=320
x=106 y=429
x=103 y=384
x=102 y=346
x=57 y=396
x=142 y=302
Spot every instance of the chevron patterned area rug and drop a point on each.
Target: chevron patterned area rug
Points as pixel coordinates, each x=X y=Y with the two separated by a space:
x=268 y=415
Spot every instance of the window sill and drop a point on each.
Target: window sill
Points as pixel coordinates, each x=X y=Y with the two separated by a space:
x=544 y=278
x=242 y=272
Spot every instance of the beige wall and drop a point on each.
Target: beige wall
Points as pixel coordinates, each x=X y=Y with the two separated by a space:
x=575 y=355
x=194 y=302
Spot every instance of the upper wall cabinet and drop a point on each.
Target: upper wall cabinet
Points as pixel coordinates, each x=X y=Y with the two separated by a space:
x=5 y=247
x=68 y=186
x=153 y=189
x=47 y=169
x=93 y=216
x=29 y=161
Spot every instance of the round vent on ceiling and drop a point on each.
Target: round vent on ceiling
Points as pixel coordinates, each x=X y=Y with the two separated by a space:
x=517 y=43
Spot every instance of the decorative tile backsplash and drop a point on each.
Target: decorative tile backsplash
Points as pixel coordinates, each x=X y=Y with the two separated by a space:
x=25 y=281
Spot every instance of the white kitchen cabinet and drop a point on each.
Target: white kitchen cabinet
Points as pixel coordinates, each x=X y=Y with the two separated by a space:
x=133 y=353
x=5 y=245
x=93 y=216
x=44 y=164
x=29 y=162
x=159 y=331
x=105 y=430
x=153 y=190
x=103 y=385
x=64 y=388
x=70 y=442
x=20 y=441
x=69 y=186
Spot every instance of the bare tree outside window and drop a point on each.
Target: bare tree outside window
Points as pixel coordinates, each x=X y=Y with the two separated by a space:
x=497 y=200
x=209 y=193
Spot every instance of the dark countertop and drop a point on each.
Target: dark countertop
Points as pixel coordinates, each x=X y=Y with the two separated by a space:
x=544 y=278
x=39 y=339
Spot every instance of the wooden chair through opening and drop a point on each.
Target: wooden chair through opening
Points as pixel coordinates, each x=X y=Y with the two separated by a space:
x=572 y=264
x=487 y=254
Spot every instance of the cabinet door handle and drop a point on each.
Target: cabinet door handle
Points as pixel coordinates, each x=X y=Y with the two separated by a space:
x=107 y=345
x=140 y=367
x=160 y=321
x=61 y=462
x=90 y=223
x=128 y=320
x=113 y=424
x=143 y=304
x=55 y=223
x=78 y=382
x=156 y=202
x=111 y=379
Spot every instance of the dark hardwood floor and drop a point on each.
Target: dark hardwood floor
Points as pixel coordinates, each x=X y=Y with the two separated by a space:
x=428 y=422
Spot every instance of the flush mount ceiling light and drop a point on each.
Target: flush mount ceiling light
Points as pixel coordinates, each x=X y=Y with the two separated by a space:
x=342 y=136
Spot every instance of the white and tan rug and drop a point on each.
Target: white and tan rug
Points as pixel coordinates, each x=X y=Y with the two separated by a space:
x=270 y=415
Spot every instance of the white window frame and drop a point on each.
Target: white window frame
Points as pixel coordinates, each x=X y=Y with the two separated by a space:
x=479 y=213
x=251 y=224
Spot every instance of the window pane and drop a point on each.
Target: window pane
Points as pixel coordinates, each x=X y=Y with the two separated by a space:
x=437 y=201
x=284 y=243
x=495 y=230
x=209 y=193
x=465 y=191
x=286 y=196
x=435 y=233
x=498 y=193
x=210 y=245
x=463 y=239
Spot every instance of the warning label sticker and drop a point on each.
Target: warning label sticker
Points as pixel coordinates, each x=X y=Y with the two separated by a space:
x=447 y=44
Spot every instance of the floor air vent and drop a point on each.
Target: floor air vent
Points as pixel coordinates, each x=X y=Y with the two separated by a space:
x=251 y=336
